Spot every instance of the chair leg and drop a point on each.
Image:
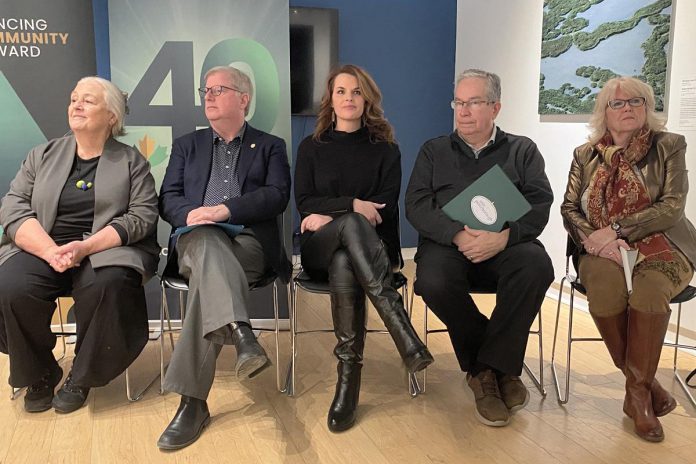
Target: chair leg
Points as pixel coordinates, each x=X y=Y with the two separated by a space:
x=426 y=332
x=290 y=379
x=62 y=331
x=277 y=332
x=133 y=397
x=538 y=381
x=562 y=399
x=164 y=312
x=15 y=393
x=414 y=387
x=286 y=386
x=677 y=375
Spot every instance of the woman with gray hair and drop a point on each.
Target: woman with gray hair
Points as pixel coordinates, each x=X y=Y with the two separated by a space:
x=79 y=219
x=627 y=190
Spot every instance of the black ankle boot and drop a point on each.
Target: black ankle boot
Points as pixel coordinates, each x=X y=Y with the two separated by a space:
x=187 y=425
x=251 y=357
x=342 y=410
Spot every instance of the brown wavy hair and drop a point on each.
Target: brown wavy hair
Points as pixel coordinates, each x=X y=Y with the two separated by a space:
x=373 y=115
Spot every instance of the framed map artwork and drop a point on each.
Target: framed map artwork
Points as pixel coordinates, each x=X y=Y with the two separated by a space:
x=584 y=43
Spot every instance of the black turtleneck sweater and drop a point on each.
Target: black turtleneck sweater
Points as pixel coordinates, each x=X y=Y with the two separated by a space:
x=347 y=165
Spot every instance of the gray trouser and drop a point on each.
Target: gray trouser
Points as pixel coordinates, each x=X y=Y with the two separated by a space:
x=219 y=271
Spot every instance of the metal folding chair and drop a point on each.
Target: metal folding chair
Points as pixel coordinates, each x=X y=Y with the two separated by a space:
x=304 y=282
x=573 y=280
x=417 y=389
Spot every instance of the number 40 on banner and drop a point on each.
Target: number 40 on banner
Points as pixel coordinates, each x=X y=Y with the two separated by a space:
x=184 y=115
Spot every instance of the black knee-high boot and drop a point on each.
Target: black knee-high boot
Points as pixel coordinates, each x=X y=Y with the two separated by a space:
x=348 y=311
x=372 y=269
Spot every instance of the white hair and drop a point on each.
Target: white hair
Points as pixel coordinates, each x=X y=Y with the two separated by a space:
x=115 y=100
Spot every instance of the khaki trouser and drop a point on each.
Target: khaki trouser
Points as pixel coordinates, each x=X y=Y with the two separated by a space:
x=607 y=294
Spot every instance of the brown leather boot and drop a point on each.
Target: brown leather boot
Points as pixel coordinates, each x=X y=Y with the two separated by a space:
x=645 y=335
x=613 y=331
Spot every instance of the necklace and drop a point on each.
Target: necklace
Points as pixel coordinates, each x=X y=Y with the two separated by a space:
x=82 y=184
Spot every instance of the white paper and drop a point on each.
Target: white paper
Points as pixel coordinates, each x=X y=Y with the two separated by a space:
x=687 y=104
x=628 y=257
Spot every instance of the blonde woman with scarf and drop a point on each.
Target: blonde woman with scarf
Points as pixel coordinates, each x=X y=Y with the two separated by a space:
x=627 y=188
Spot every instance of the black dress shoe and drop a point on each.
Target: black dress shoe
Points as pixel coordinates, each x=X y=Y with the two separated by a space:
x=70 y=397
x=188 y=423
x=342 y=411
x=39 y=395
x=251 y=357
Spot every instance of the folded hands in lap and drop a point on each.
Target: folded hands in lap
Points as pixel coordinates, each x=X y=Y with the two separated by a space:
x=480 y=245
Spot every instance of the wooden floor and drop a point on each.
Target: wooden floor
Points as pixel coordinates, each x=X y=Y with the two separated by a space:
x=253 y=423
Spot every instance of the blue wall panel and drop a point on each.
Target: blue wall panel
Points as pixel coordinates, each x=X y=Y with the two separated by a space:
x=408 y=46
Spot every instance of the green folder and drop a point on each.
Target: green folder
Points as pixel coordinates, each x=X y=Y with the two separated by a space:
x=488 y=203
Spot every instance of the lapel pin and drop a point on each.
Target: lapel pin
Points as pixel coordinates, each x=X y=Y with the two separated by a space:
x=253 y=145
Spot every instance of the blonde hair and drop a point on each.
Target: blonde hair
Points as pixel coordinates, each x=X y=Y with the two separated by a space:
x=115 y=100
x=635 y=88
x=373 y=115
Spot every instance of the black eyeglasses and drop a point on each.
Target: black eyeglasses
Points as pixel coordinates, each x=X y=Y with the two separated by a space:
x=618 y=103
x=216 y=90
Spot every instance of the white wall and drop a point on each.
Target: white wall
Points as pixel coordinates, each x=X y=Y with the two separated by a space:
x=504 y=37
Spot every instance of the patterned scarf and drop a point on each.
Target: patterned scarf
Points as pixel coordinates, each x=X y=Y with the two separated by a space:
x=616 y=191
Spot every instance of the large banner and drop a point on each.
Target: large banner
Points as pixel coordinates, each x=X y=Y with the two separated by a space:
x=160 y=53
x=45 y=48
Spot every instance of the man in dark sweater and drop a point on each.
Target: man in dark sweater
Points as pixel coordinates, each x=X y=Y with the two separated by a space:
x=452 y=257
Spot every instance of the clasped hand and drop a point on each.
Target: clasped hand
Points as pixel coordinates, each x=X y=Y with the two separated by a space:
x=62 y=258
x=480 y=245
x=603 y=243
x=207 y=215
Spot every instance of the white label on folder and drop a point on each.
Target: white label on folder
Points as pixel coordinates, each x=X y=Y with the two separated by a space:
x=484 y=210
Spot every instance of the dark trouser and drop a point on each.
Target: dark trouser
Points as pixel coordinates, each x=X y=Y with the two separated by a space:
x=110 y=315
x=521 y=274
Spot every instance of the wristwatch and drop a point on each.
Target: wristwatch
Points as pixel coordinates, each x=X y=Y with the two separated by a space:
x=616 y=227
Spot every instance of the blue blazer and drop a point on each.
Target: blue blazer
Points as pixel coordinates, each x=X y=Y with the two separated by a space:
x=264 y=178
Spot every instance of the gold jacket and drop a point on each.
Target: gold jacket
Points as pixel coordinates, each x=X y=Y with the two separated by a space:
x=665 y=175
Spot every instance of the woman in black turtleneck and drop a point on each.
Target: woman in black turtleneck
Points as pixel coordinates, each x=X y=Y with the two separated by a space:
x=347 y=182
